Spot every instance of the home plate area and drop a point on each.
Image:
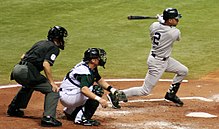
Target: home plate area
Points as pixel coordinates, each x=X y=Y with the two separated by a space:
x=200 y=114
x=200 y=109
x=197 y=113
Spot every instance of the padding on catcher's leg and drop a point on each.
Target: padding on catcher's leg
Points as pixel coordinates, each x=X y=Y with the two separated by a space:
x=89 y=108
x=98 y=90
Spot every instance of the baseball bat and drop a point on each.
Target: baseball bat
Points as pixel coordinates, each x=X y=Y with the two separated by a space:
x=141 y=17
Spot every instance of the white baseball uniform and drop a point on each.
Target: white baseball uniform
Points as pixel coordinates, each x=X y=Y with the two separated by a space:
x=159 y=60
x=71 y=96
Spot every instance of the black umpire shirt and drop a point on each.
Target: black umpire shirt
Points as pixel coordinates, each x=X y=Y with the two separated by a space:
x=40 y=51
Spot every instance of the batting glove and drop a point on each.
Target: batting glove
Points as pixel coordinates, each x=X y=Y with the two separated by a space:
x=160 y=18
x=121 y=96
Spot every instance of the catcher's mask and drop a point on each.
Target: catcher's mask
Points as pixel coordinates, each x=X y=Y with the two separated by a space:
x=58 y=32
x=171 y=13
x=95 y=53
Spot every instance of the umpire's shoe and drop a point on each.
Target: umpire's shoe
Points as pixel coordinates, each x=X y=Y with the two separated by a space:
x=113 y=100
x=48 y=121
x=15 y=112
x=172 y=97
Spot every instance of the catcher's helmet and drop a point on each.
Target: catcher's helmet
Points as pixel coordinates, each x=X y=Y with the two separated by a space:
x=95 y=53
x=171 y=13
x=58 y=32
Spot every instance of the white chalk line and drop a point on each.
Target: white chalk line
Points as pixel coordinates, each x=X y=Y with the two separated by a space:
x=156 y=100
x=162 y=99
x=108 y=80
x=183 y=98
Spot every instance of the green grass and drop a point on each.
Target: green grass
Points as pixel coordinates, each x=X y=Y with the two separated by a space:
x=103 y=23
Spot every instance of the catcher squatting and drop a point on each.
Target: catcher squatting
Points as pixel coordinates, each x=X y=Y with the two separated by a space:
x=82 y=88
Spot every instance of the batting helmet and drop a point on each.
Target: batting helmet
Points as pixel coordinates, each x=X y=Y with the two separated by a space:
x=171 y=13
x=95 y=53
x=58 y=32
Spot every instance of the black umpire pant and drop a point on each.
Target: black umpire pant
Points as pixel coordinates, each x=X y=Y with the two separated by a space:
x=31 y=80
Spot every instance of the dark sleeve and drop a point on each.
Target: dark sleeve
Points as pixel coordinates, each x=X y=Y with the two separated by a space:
x=52 y=54
x=86 y=80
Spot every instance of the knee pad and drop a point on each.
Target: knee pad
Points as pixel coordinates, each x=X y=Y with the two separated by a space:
x=88 y=109
x=75 y=112
x=98 y=90
x=91 y=105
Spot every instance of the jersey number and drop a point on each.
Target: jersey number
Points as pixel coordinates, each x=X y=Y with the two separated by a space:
x=156 y=38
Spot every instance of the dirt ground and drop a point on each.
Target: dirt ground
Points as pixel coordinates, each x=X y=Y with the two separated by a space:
x=143 y=112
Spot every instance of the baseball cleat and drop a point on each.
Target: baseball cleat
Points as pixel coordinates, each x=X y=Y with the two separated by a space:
x=172 y=97
x=15 y=112
x=113 y=100
x=48 y=121
x=87 y=122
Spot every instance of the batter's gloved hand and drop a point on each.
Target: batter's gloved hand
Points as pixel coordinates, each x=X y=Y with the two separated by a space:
x=115 y=97
x=160 y=18
x=120 y=96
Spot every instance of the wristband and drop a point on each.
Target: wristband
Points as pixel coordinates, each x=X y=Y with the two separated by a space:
x=112 y=90
x=109 y=88
x=97 y=98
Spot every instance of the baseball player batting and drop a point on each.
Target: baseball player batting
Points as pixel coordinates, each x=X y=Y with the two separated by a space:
x=163 y=34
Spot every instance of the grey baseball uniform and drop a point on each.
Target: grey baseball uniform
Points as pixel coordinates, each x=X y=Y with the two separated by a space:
x=159 y=60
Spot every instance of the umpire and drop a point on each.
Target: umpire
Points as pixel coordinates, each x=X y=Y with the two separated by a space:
x=39 y=58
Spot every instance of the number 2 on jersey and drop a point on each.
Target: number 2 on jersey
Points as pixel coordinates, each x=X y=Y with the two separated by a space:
x=156 y=38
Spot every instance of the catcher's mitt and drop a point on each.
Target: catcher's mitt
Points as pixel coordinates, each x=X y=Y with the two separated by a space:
x=98 y=90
